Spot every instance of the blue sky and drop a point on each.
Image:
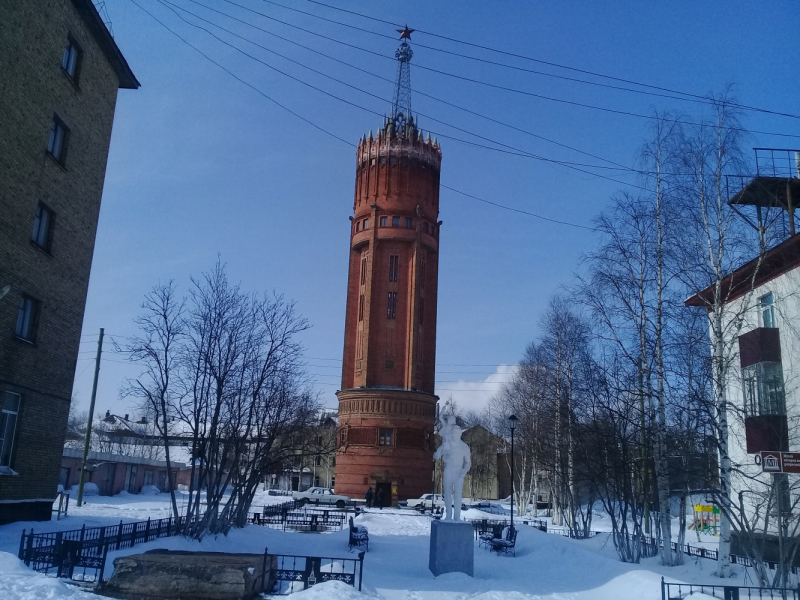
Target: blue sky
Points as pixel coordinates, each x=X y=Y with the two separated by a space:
x=202 y=165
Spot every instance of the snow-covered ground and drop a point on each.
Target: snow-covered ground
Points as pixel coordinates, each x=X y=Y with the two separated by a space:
x=396 y=567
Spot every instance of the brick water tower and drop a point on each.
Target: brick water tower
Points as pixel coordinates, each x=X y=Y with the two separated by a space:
x=387 y=405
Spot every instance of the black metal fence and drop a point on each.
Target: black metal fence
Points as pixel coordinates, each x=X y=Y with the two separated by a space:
x=302 y=520
x=679 y=591
x=78 y=552
x=297 y=573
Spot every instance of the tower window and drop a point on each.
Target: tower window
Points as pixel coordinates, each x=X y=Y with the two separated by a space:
x=358 y=226
x=766 y=305
x=71 y=60
x=408 y=223
x=425 y=227
x=383 y=221
x=57 y=143
x=394 y=267
x=383 y=160
x=43 y=227
x=26 y=318
x=391 y=307
x=363 y=270
x=365 y=224
x=361 y=308
x=395 y=221
x=422 y=273
x=385 y=438
x=393 y=159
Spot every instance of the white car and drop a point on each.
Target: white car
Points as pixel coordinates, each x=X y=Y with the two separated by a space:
x=426 y=501
x=320 y=495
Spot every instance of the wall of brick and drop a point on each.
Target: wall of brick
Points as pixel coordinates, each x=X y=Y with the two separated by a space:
x=33 y=88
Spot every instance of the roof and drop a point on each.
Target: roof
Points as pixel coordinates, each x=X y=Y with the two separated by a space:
x=94 y=22
x=119 y=458
x=777 y=261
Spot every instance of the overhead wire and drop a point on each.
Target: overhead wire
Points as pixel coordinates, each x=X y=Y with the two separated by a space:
x=581 y=167
x=690 y=97
x=416 y=92
x=417 y=65
x=540 y=61
x=320 y=128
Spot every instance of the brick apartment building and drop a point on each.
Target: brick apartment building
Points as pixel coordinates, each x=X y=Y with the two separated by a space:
x=60 y=70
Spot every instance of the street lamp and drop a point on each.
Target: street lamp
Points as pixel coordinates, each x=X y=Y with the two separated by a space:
x=512 y=424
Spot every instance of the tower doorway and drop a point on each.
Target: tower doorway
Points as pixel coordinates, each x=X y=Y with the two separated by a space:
x=386 y=488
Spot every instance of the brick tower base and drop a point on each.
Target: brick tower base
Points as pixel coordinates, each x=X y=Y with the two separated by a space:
x=385 y=441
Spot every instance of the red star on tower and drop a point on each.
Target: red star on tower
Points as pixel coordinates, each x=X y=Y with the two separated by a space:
x=405 y=33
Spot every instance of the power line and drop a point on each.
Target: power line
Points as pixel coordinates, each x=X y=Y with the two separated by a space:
x=690 y=97
x=322 y=129
x=417 y=92
x=512 y=150
x=417 y=65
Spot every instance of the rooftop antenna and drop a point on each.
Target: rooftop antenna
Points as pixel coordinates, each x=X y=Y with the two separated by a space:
x=401 y=105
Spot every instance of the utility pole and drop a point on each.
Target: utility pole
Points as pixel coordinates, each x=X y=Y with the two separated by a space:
x=91 y=417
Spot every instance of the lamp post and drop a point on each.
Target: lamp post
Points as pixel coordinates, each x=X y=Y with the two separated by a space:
x=512 y=424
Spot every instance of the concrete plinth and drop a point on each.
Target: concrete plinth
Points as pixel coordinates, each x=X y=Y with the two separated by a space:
x=452 y=549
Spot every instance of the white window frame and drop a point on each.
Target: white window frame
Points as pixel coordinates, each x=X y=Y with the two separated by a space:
x=8 y=430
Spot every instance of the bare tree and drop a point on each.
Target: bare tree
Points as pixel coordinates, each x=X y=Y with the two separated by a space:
x=157 y=351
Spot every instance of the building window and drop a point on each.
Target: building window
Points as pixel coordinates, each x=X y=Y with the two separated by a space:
x=422 y=273
x=358 y=226
x=766 y=306
x=425 y=227
x=408 y=223
x=318 y=460
x=394 y=267
x=365 y=224
x=395 y=221
x=57 y=144
x=43 y=227
x=385 y=438
x=26 y=318
x=148 y=478
x=391 y=308
x=8 y=427
x=71 y=61
x=363 y=270
x=361 y=308
x=383 y=221
x=763 y=389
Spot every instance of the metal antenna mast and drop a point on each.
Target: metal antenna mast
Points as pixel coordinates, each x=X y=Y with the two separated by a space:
x=401 y=106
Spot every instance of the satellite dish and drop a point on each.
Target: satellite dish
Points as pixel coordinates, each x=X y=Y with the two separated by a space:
x=5 y=290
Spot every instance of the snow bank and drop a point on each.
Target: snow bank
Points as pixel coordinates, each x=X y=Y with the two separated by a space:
x=332 y=590
x=149 y=490
x=17 y=582
x=89 y=489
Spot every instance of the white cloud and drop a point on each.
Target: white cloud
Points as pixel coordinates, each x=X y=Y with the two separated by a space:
x=471 y=394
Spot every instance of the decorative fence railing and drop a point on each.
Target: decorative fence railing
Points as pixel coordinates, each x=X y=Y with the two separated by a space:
x=302 y=520
x=85 y=549
x=297 y=573
x=679 y=591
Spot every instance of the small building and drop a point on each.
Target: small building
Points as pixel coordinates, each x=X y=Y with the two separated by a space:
x=114 y=473
x=60 y=71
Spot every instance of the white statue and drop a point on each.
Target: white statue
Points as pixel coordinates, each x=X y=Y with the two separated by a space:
x=457 y=463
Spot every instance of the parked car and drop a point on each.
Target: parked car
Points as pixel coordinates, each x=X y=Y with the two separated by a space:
x=320 y=495
x=426 y=501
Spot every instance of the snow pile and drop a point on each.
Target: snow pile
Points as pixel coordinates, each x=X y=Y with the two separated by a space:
x=89 y=489
x=149 y=490
x=332 y=590
x=17 y=582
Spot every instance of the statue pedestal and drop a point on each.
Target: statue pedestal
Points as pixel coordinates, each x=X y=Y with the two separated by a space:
x=452 y=548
